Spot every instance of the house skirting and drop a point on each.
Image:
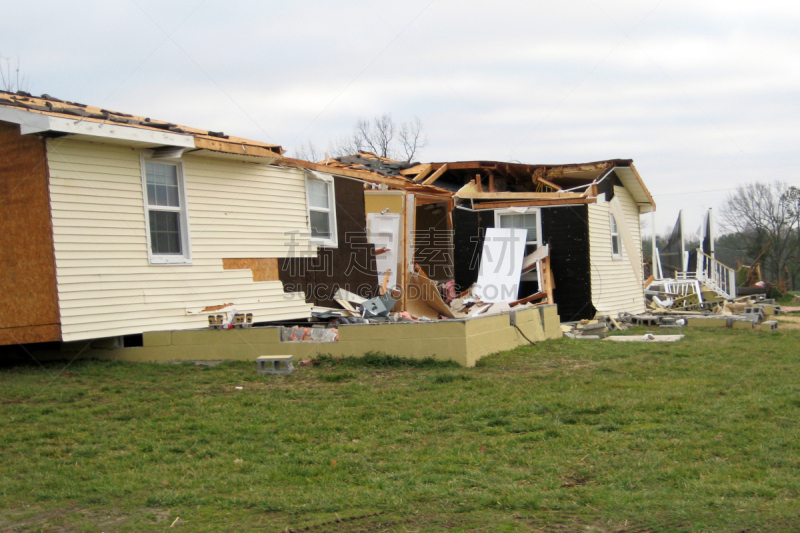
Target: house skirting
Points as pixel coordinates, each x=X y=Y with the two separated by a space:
x=463 y=340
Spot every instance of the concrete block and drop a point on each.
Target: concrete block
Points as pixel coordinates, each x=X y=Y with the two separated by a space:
x=156 y=338
x=742 y=324
x=478 y=325
x=768 y=309
x=549 y=310
x=756 y=314
x=769 y=325
x=275 y=364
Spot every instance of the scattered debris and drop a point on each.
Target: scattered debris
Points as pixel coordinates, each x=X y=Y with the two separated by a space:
x=649 y=337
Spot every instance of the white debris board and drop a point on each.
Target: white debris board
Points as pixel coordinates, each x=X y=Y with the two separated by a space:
x=384 y=232
x=501 y=264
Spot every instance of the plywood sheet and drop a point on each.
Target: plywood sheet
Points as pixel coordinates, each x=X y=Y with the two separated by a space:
x=424 y=291
x=264 y=269
x=27 y=268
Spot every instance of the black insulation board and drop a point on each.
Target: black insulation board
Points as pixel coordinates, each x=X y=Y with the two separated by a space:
x=469 y=228
x=566 y=229
x=350 y=266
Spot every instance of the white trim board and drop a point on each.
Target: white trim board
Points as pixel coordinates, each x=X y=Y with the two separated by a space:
x=31 y=123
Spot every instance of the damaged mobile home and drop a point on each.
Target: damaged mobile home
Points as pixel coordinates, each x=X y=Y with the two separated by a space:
x=132 y=238
x=585 y=215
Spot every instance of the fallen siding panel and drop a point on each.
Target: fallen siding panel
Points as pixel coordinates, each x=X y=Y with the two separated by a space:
x=615 y=288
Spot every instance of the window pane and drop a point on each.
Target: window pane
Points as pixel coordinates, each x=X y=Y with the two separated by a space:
x=318 y=194
x=526 y=221
x=162 y=184
x=320 y=225
x=615 y=244
x=165 y=233
x=613 y=224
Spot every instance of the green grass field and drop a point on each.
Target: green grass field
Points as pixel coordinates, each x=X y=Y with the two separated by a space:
x=699 y=435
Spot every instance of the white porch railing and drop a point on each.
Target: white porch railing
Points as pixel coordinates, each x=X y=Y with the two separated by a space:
x=716 y=276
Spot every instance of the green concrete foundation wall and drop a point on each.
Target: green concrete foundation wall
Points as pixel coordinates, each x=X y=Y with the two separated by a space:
x=463 y=340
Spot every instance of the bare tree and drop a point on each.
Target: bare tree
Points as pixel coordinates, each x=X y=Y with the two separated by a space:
x=383 y=137
x=346 y=144
x=411 y=138
x=759 y=213
x=791 y=202
x=10 y=78
x=308 y=152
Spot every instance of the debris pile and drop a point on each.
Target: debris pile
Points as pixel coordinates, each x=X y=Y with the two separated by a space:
x=495 y=292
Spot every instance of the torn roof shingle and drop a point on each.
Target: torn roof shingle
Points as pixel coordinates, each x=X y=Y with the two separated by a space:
x=49 y=105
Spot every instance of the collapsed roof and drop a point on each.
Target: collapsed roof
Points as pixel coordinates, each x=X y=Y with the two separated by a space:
x=54 y=117
x=508 y=182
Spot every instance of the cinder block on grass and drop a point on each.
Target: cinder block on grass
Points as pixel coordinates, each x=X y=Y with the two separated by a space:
x=769 y=325
x=742 y=324
x=275 y=364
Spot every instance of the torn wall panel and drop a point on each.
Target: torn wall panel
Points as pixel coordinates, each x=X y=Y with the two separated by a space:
x=351 y=265
x=27 y=270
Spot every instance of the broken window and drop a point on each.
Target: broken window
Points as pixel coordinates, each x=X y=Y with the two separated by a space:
x=165 y=208
x=522 y=218
x=321 y=201
x=616 y=248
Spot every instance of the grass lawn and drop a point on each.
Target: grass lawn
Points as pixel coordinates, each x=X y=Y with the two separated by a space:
x=699 y=435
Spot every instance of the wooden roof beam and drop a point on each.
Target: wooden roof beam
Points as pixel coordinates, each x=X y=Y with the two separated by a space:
x=534 y=203
x=424 y=171
x=436 y=175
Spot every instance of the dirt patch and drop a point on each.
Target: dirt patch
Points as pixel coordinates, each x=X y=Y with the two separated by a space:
x=74 y=519
x=789 y=322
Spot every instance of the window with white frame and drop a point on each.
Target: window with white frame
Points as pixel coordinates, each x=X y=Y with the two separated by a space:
x=321 y=202
x=616 y=245
x=523 y=218
x=165 y=213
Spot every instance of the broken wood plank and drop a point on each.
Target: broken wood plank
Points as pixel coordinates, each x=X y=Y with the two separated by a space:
x=426 y=169
x=479 y=195
x=415 y=170
x=528 y=299
x=550 y=184
x=436 y=175
x=385 y=282
x=533 y=203
x=649 y=280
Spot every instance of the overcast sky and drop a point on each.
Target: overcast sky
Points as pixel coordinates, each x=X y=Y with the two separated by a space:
x=702 y=96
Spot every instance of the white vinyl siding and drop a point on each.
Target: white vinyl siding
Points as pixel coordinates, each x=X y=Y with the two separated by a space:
x=615 y=285
x=107 y=287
